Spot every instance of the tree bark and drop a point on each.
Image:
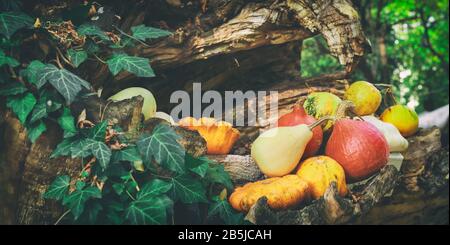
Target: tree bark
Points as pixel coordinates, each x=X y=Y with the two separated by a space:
x=223 y=44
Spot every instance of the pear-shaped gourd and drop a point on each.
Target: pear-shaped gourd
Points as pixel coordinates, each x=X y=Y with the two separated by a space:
x=149 y=107
x=278 y=151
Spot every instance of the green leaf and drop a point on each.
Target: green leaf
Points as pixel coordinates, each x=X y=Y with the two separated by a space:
x=188 y=189
x=136 y=65
x=22 y=105
x=223 y=209
x=80 y=148
x=98 y=132
x=58 y=189
x=65 y=82
x=101 y=151
x=13 y=88
x=92 y=30
x=63 y=148
x=31 y=73
x=151 y=211
x=39 y=112
x=6 y=60
x=77 y=199
x=129 y=154
x=77 y=57
x=216 y=174
x=162 y=145
x=67 y=123
x=198 y=166
x=142 y=32
x=36 y=131
x=10 y=22
x=154 y=188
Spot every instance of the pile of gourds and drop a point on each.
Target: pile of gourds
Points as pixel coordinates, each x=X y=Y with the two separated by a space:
x=358 y=145
x=355 y=144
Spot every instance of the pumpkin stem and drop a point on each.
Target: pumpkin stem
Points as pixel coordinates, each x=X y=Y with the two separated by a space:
x=320 y=121
x=346 y=107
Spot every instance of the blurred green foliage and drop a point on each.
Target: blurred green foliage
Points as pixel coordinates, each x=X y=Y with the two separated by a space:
x=414 y=35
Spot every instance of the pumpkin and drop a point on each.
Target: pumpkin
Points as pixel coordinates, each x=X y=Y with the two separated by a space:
x=219 y=136
x=281 y=192
x=319 y=172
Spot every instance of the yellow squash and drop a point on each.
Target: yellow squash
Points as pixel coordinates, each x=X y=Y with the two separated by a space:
x=281 y=192
x=319 y=172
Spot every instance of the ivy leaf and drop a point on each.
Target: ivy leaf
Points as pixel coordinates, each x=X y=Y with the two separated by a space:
x=129 y=154
x=151 y=211
x=65 y=82
x=36 y=131
x=77 y=57
x=13 y=88
x=58 y=189
x=77 y=199
x=136 y=65
x=198 y=166
x=22 y=105
x=223 y=209
x=10 y=22
x=80 y=148
x=142 y=32
x=6 y=60
x=154 y=188
x=39 y=112
x=188 y=189
x=67 y=123
x=101 y=151
x=31 y=73
x=98 y=132
x=63 y=148
x=162 y=145
x=216 y=174
x=92 y=30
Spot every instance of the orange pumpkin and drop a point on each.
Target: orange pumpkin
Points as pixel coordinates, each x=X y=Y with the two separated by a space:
x=220 y=136
x=281 y=192
x=319 y=172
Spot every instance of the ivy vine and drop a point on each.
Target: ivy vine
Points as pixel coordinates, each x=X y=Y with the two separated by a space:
x=119 y=181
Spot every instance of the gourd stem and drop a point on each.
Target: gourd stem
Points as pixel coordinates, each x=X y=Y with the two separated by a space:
x=320 y=121
x=344 y=108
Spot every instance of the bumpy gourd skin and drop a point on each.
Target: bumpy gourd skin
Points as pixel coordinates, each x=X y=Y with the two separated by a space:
x=319 y=172
x=281 y=192
x=321 y=104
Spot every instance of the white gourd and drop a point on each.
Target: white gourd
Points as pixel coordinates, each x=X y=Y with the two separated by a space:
x=396 y=142
x=149 y=107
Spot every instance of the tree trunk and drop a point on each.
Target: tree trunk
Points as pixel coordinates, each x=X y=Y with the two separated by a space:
x=222 y=44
